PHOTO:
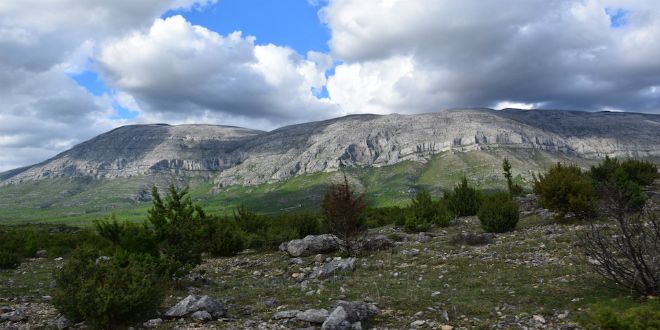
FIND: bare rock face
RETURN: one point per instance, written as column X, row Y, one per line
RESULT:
column 240, row 156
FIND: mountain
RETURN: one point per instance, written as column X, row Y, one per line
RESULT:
column 128, row 160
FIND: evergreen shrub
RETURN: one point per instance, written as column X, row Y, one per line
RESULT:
column 498, row 214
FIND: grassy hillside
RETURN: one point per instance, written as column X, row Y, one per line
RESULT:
column 80, row 200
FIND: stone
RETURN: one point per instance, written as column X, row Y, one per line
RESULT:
column 445, row 315
column 358, row 310
column 421, row 238
column 313, row 315
column 446, row 327
column 201, row 316
column 153, row 323
column 63, row 323
column 539, row 319
column 379, row 242
column 332, row 267
column 42, row 253
column 337, row 320
column 288, row 314
column 194, row 303
column 356, row 326
column 418, row 324
column 15, row 316
column 311, row 245
column 270, row 302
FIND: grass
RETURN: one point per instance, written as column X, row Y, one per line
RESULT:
column 77, row 201
column 535, row 268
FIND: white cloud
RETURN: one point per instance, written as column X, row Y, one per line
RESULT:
column 177, row 71
column 412, row 56
column 43, row 111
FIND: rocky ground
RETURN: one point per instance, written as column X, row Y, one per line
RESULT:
column 532, row 278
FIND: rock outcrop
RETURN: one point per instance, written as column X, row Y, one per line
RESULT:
column 240, row 156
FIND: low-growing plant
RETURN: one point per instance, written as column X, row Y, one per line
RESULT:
column 9, row 260
column 606, row 318
column 105, row 294
column 498, row 214
column 464, row 200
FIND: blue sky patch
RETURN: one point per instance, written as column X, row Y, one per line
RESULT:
column 618, row 17
column 90, row 80
column 292, row 23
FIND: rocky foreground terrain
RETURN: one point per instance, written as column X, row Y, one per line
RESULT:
column 532, row 278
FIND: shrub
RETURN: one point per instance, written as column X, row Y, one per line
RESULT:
column 105, row 294
column 641, row 172
column 416, row 224
column 225, row 238
column 606, row 318
column 343, row 209
column 427, row 211
column 565, row 189
column 254, row 227
column 131, row 237
column 498, row 214
column 381, row 216
column 514, row 188
column 626, row 252
column 180, row 228
column 9, row 260
column 464, row 200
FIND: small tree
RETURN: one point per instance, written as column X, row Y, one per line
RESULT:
column 343, row 208
column 180, row 229
column 626, row 253
column 565, row 189
column 464, row 200
column 423, row 212
column 514, row 189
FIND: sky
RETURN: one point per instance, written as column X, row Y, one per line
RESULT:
column 73, row 69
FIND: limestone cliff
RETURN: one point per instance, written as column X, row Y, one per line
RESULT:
column 250, row 157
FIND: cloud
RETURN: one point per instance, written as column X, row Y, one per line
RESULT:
column 43, row 111
column 415, row 56
column 176, row 71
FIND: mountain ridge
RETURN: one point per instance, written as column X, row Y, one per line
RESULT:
column 242, row 156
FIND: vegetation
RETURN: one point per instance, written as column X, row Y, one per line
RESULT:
column 498, row 213
column 343, row 209
column 566, row 190
column 104, row 293
column 465, row 200
column 423, row 212
column 514, row 188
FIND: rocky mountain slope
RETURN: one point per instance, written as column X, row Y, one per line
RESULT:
column 242, row 156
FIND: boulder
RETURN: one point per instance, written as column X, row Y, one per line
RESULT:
column 358, row 310
column 194, row 303
column 332, row 267
column 380, row 242
column 310, row 245
column 153, row 323
column 15, row 316
column 201, row 316
column 337, row 320
column 288, row 314
column 313, row 315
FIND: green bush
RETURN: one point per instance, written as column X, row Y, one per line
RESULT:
column 181, row 228
column 565, row 189
column 641, row 172
column 9, row 260
column 464, row 200
column 427, row 211
column 105, row 294
column 416, row 224
column 381, row 216
column 225, row 238
column 498, row 214
column 606, row 318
